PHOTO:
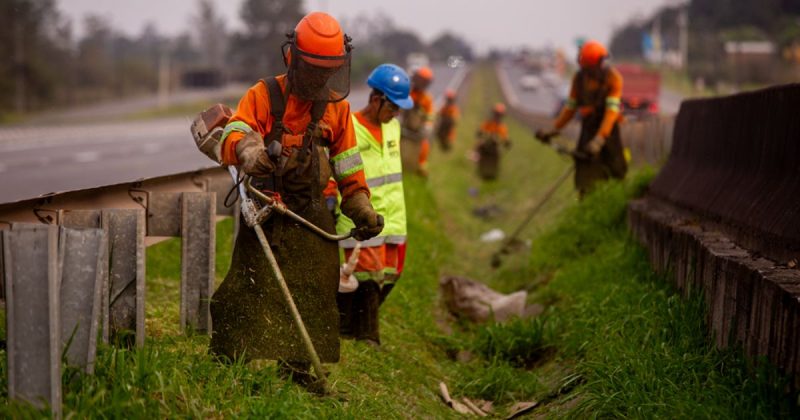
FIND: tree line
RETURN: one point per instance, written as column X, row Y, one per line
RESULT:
column 714, row 23
column 48, row 66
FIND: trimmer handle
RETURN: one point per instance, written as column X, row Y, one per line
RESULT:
column 355, row 232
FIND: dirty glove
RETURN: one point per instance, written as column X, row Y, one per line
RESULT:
column 368, row 223
column 595, row 145
column 252, row 155
column 545, row 136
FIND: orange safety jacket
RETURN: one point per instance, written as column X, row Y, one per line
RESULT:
column 416, row 119
column 449, row 111
column 492, row 128
column 424, row 100
column 588, row 96
column 253, row 113
column 448, row 116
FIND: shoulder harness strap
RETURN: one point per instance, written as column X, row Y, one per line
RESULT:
column 277, row 107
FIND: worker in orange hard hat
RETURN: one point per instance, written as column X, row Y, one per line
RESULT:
column 595, row 94
column 291, row 133
column 492, row 134
column 447, row 119
column 417, row 124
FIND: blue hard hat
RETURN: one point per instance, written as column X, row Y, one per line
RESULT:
column 393, row 82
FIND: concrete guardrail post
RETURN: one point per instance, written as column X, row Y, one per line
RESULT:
column 191, row 216
column 30, row 265
column 83, row 261
column 126, row 231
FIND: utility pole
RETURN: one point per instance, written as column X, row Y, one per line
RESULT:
column 683, row 27
column 20, row 68
column 163, row 78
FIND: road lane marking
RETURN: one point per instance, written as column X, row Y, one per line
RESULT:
column 87, row 156
column 152, row 148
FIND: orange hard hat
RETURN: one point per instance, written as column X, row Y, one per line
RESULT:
column 424, row 72
column 499, row 108
column 319, row 34
column 592, row 54
column 450, row 94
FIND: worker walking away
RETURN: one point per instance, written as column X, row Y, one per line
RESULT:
column 279, row 135
column 595, row 94
column 492, row 135
column 417, row 124
column 446, row 121
column 379, row 260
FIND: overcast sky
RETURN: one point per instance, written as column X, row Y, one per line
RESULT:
column 485, row 23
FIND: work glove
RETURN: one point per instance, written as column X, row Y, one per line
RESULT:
column 252, row 155
column 545, row 136
column 368, row 223
column 507, row 144
column 595, row 145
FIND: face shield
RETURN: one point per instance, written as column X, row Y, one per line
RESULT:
column 318, row 77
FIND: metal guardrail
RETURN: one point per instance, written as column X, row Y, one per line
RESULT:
column 72, row 268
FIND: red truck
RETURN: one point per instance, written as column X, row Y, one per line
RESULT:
column 641, row 89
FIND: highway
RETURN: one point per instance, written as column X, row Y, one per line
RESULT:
column 37, row 159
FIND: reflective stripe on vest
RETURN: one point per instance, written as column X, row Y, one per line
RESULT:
column 386, row 179
column 376, row 241
column 383, row 169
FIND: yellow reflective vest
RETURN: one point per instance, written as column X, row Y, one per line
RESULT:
column 384, row 172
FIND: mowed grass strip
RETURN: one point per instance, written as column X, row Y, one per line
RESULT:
column 615, row 338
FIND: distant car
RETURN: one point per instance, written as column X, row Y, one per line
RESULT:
column 551, row 78
column 530, row 82
column 641, row 89
column 455, row 61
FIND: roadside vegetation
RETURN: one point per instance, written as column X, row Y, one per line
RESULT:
column 614, row 339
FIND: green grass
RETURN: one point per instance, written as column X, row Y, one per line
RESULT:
column 626, row 344
column 614, row 339
column 641, row 349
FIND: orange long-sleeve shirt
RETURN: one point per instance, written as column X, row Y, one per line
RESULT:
column 423, row 100
column 253, row 113
column 450, row 111
column 497, row 128
column 583, row 98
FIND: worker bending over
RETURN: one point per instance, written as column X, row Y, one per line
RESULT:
column 446, row 121
column 492, row 134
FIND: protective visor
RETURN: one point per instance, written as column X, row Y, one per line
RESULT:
column 317, row 77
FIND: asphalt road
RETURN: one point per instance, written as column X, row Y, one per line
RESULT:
column 40, row 159
column 547, row 99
